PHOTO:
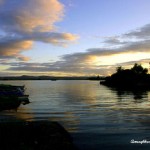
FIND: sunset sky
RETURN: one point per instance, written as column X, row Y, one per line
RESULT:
column 73, row 37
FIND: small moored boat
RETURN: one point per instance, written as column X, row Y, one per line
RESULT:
column 12, row 96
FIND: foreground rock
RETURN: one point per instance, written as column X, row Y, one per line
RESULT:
column 41, row 135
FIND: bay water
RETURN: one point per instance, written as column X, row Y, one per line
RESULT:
column 97, row 117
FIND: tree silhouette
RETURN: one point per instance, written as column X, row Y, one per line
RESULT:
column 137, row 68
column 129, row 78
column 119, row 69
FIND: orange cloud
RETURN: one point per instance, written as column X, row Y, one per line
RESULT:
column 27, row 21
column 39, row 15
column 23, row 58
column 70, row 37
column 13, row 49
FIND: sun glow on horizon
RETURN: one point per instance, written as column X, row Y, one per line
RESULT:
column 120, row 58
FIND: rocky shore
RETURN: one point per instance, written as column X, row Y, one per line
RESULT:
column 36, row 135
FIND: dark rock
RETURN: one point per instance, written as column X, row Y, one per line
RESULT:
column 38, row 135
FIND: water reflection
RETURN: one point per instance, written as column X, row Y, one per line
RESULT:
column 68, row 119
column 141, row 95
column 23, row 113
column 77, row 92
column 131, row 112
column 85, row 106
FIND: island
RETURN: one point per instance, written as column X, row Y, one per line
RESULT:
column 135, row 78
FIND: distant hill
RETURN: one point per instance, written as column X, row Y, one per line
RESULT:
column 53, row 78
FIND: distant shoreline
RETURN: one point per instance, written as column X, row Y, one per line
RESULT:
column 49, row 78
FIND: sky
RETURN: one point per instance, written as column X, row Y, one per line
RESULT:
column 73, row 37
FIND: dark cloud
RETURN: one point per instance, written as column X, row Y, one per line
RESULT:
column 140, row 33
column 59, row 68
column 130, row 47
column 114, row 41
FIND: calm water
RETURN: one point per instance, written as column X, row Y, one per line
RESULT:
column 96, row 116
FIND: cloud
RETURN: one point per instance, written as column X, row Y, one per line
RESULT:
column 140, row 33
column 130, row 63
column 130, row 47
column 113, row 41
column 24, row 22
column 57, row 67
column 30, row 15
column 84, row 62
column 50, row 37
column 11, row 48
column 91, row 61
